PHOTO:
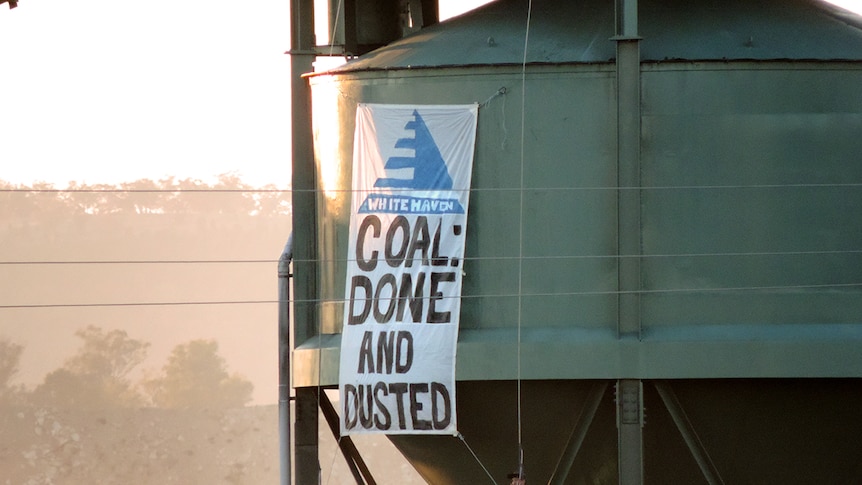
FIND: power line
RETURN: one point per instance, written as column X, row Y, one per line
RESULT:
column 156, row 261
column 137, row 304
column 836, row 252
column 140, row 191
column 475, row 189
column 824, row 286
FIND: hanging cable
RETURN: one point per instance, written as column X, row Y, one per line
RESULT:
column 332, row 462
column 520, row 468
column 334, row 28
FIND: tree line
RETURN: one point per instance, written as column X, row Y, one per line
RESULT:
column 228, row 195
column 158, row 217
column 99, row 375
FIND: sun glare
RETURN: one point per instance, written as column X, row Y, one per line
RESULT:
column 852, row 5
column 327, row 137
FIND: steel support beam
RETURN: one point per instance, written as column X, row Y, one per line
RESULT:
column 579, row 432
column 358, row 468
column 629, row 391
column 303, row 184
column 424, row 13
column 630, row 431
column 692, row 440
column 306, row 446
column 628, row 167
column 303, row 174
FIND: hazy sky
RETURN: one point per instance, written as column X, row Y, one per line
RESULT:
column 110, row 91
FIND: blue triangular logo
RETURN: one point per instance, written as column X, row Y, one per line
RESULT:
column 429, row 168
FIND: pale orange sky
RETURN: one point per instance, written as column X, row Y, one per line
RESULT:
column 105, row 91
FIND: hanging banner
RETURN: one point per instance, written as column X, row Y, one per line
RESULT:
column 411, row 181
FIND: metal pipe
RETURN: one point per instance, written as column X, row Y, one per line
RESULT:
column 284, row 360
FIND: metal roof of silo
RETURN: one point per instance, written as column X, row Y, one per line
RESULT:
column 580, row 31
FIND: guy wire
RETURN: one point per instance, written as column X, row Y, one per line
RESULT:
column 476, row 457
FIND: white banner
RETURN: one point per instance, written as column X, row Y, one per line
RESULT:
column 411, row 181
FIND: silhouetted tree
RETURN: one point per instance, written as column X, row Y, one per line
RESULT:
column 97, row 375
column 10, row 356
column 195, row 376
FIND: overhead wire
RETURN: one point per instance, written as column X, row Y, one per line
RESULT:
column 471, row 190
column 613, row 188
column 813, row 286
column 847, row 285
column 325, row 261
column 142, row 191
column 137, row 304
column 140, row 261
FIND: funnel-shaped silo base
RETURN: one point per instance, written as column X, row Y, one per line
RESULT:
column 753, row 431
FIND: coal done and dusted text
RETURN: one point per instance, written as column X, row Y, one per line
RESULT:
column 411, row 179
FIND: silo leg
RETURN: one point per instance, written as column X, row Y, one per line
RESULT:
column 630, row 431
column 579, row 432
column 692, row 440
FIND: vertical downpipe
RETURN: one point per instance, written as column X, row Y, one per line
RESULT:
column 629, row 391
column 284, row 360
column 304, row 199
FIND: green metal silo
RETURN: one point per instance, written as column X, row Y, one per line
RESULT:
column 663, row 280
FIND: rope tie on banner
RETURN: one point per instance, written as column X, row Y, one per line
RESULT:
column 500, row 92
column 484, row 104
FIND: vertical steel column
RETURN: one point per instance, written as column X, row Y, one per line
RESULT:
column 628, row 167
column 306, row 467
column 424, row 13
column 630, row 431
column 629, row 391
